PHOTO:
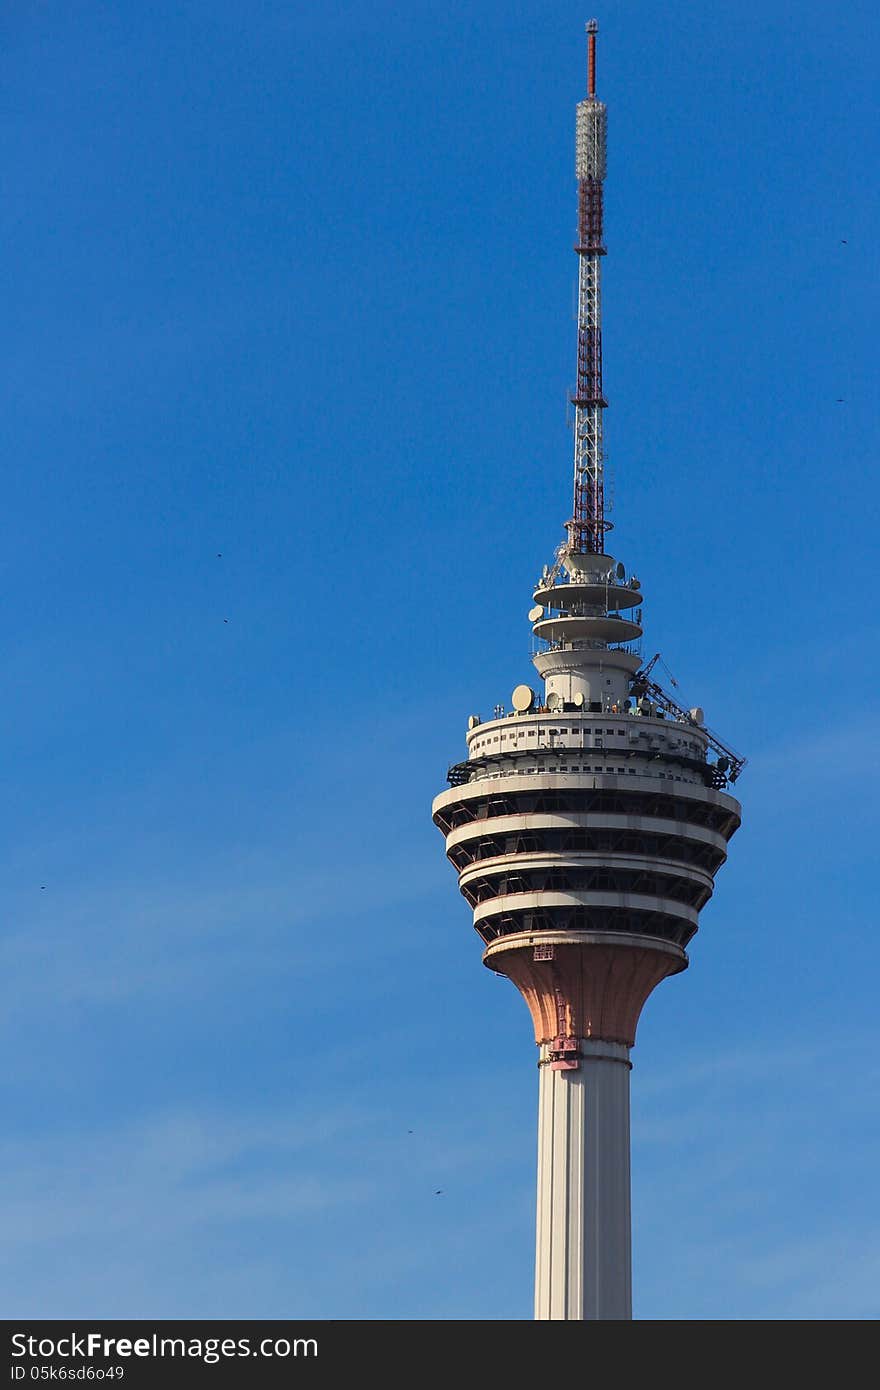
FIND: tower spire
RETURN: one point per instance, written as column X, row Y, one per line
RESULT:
column 587, row 527
column 592, row 31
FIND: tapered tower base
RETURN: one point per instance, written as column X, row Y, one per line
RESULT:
column 583, row 1263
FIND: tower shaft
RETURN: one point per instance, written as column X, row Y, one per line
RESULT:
column 583, row 1260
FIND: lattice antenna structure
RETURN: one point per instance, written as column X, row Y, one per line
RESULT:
column 587, row 527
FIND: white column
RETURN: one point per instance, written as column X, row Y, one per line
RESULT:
column 583, row 1266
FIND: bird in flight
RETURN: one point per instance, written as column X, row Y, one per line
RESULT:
column 843, row 241
column 439, row 1192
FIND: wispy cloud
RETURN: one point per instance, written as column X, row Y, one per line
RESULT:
column 133, row 938
column 314, row 1211
column 179, row 1171
column 821, row 1277
column 766, row 1155
column 106, row 1219
column 841, row 750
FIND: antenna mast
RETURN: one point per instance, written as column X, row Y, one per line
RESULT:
column 587, row 527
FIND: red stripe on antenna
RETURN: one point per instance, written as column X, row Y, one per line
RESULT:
column 592, row 30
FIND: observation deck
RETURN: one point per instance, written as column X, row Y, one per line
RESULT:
column 594, row 821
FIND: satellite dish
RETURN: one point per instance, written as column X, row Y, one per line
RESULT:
column 473, row 721
column 627, row 704
column 621, row 570
column 535, row 613
column 578, row 699
column 697, row 714
column 723, row 764
column 523, row 698
column 645, row 706
column 554, row 700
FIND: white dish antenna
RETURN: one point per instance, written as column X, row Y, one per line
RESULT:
column 578, row 699
column 697, row 714
column 535, row 613
column 523, row 698
column 473, row 721
column 554, row 700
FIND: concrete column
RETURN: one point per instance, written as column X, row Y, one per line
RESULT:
column 583, row 1266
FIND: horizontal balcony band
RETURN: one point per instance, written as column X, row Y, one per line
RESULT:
column 585, row 883
column 645, row 762
column 574, row 823
column 634, row 941
column 517, row 783
column 584, row 864
column 606, row 795
column 481, row 843
column 576, row 863
column 510, row 904
column 476, row 859
column 569, row 925
column 561, row 594
column 572, row 627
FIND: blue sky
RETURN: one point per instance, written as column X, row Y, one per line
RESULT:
column 288, row 334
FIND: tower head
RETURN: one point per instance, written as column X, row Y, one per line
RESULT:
column 587, row 825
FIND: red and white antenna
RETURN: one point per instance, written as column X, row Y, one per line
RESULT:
column 587, row 527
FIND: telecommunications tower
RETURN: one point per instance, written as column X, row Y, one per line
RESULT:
column 586, row 826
